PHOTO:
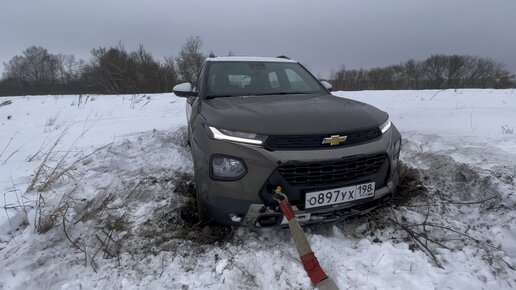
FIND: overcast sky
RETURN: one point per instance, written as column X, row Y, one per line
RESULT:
column 323, row 34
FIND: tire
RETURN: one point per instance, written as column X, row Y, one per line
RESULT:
column 201, row 211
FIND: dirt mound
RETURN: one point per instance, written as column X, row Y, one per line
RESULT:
column 411, row 184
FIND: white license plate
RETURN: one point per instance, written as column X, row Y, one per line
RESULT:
column 339, row 195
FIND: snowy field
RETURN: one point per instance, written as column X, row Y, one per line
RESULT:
column 96, row 192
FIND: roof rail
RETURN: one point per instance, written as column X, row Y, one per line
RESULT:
column 282, row 56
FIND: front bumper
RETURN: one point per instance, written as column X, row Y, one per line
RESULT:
column 248, row 201
column 262, row 216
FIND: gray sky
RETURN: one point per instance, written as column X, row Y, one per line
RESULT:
column 324, row 34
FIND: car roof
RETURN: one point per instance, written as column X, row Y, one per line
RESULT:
column 250, row 58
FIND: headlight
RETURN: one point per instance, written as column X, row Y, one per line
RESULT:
column 227, row 168
column 250, row 138
column 385, row 126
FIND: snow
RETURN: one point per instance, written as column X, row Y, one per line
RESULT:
column 134, row 165
column 250, row 58
column 91, row 121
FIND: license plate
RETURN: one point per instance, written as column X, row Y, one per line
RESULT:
column 339, row 195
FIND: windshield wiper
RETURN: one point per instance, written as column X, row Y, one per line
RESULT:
column 282, row 93
column 265, row 94
column 221, row 96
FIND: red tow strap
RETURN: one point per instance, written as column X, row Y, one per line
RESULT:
column 312, row 268
column 287, row 210
column 310, row 263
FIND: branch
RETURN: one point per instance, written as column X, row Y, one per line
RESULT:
column 471, row 202
column 419, row 243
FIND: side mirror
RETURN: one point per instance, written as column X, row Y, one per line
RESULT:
column 184, row 90
column 327, row 85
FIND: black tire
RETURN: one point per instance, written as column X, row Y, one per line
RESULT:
column 201, row 211
column 188, row 140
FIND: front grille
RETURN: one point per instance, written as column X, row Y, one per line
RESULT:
column 315, row 141
column 349, row 168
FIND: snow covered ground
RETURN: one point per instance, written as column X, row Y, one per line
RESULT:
column 110, row 191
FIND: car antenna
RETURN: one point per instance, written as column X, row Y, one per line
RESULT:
column 283, row 56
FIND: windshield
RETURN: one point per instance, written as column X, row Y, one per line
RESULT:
column 239, row 78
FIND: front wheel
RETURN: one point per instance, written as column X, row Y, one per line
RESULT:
column 201, row 211
column 202, row 215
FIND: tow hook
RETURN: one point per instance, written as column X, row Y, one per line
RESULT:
column 269, row 219
column 313, row 269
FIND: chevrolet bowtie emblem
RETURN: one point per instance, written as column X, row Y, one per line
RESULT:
column 334, row 140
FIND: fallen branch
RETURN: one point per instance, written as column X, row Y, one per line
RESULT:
column 471, row 202
column 508, row 265
column 66, row 233
column 424, row 248
column 457, row 232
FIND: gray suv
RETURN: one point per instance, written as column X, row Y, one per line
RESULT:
column 255, row 123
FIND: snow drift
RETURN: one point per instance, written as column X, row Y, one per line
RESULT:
column 110, row 201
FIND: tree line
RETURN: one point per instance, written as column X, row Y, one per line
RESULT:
column 436, row 72
column 112, row 70
column 115, row 70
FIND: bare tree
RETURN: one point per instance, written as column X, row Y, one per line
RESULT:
column 456, row 70
column 413, row 74
column 436, row 72
column 190, row 59
column 116, row 71
column 69, row 69
column 435, row 69
column 16, row 68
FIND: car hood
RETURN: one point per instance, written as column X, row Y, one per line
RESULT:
column 290, row 114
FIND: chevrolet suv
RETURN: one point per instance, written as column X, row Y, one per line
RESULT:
column 255, row 123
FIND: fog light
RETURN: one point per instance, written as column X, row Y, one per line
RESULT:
column 227, row 168
column 235, row 218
